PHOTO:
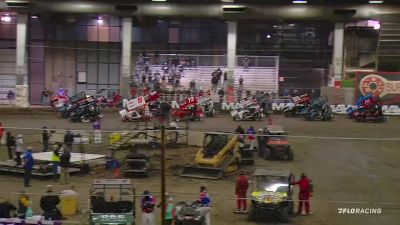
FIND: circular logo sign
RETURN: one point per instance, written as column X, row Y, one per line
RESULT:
column 372, row 84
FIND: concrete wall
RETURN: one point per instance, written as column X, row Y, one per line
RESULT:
column 7, row 73
column 60, row 68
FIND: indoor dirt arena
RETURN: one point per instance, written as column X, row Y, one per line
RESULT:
column 351, row 165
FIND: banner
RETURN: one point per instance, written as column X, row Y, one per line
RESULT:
column 33, row 221
column 277, row 105
column 383, row 84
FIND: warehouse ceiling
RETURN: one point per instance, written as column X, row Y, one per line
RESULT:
column 259, row 2
column 331, row 10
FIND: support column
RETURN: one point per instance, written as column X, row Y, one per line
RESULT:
column 338, row 46
column 126, row 57
column 21, row 63
column 231, row 58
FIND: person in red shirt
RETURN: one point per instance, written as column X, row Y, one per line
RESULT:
column 117, row 100
column 148, row 202
column 133, row 93
column 304, row 194
column 242, row 184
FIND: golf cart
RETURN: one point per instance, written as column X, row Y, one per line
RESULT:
column 276, row 145
column 137, row 165
column 188, row 214
column 112, row 201
column 271, row 196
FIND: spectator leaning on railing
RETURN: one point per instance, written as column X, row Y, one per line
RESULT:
column 10, row 97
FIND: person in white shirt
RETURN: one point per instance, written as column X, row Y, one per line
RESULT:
column 19, row 148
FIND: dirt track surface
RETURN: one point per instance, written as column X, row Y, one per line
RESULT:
column 346, row 173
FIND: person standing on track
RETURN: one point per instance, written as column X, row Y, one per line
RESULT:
column 23, row 204
column 65, row 162
column 45, row 139
column 242, row 184
column 304, row 194
column 169, row 209
column 239, row 130
column 206, row 204
column 10, row 145
column 69, row 140
column 29, row 162
column 147, row 204
column 97, row 132
column 55, row 160
column 252, row 137
column 19, row 149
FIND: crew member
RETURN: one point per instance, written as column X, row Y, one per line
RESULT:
column 206, row 204
column 97, row 132
column 48, row 203
column 45, row 139
column 252, row 137
column 19, row 149
column 221, row 94
column 69, row 140
column 169, row 209
column 10, row 142
column 65, row 161
column 29, row 162
column 55, row 160
column 7, row 210
column 239, row 130
column 304, row 194
column 262, row 141
column 147, row 204
column 242, row 184
column 23, row 204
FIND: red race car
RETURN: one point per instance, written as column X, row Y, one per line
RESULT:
column 188, row 110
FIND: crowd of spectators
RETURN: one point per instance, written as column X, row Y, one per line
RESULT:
column 170, row 73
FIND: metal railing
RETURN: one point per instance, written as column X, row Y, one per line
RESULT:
column 215, row 60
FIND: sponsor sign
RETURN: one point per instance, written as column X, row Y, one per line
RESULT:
column 33, row 221
column 385, row 85
column 278, row 105
column 135, row 103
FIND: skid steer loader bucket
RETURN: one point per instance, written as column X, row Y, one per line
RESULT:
column 203, row 172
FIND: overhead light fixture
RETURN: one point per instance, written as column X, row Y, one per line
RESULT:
column 18, row 3
column 6, row 18
column 233, row 8
column 100, row 21
column 228, row 1
column 34, row 17
column 374, row 23
column 158, row 0
column 275, row 26
column 299, row 2
column 375, row 2
column 291, row 24
column 268, row 36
